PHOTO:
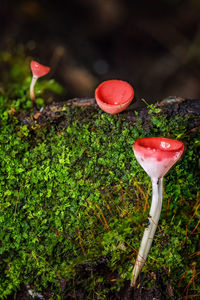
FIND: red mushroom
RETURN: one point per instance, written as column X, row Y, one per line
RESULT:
column 38, row 71
column 156, row 155
column 113, row 96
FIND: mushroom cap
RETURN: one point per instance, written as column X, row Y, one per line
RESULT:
column 113, row 96
column 157, row 154
column 39, row 70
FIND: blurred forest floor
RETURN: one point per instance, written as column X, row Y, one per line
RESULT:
column 154, row 45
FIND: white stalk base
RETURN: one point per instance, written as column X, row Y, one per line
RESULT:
column 150, row 230
column 33, row 82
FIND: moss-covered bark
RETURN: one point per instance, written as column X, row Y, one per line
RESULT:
column 74, row 203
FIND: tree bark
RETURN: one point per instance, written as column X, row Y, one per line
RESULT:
column 170, row 107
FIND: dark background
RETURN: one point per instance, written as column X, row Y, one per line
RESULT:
column 154, row 45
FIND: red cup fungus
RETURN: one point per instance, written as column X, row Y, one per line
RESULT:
column 156, row 155
column 114, row 96
column 38, row 71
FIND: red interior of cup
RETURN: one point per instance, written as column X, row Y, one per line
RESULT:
column 114, row 92
column 158, row 147
column 162, row 144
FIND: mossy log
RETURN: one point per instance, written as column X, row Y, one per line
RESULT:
column 55, row 114
column 170, row 107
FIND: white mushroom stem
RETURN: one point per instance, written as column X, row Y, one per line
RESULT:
column 33, row 82
column 150, row 230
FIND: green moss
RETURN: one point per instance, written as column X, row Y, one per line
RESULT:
column 74, row 193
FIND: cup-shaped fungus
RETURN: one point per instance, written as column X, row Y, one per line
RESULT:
column 38, row 71
column 113, row 96
column 156, row 155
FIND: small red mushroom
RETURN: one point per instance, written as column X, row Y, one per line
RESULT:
column 38, row 71
column 156, row 155
column 113, row 96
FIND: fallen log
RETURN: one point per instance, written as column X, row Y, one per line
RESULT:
column 170, row 107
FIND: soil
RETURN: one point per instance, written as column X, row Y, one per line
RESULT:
column 161, row 290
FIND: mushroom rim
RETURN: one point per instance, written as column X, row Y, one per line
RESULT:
column 154, row 144
column 101, row 97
